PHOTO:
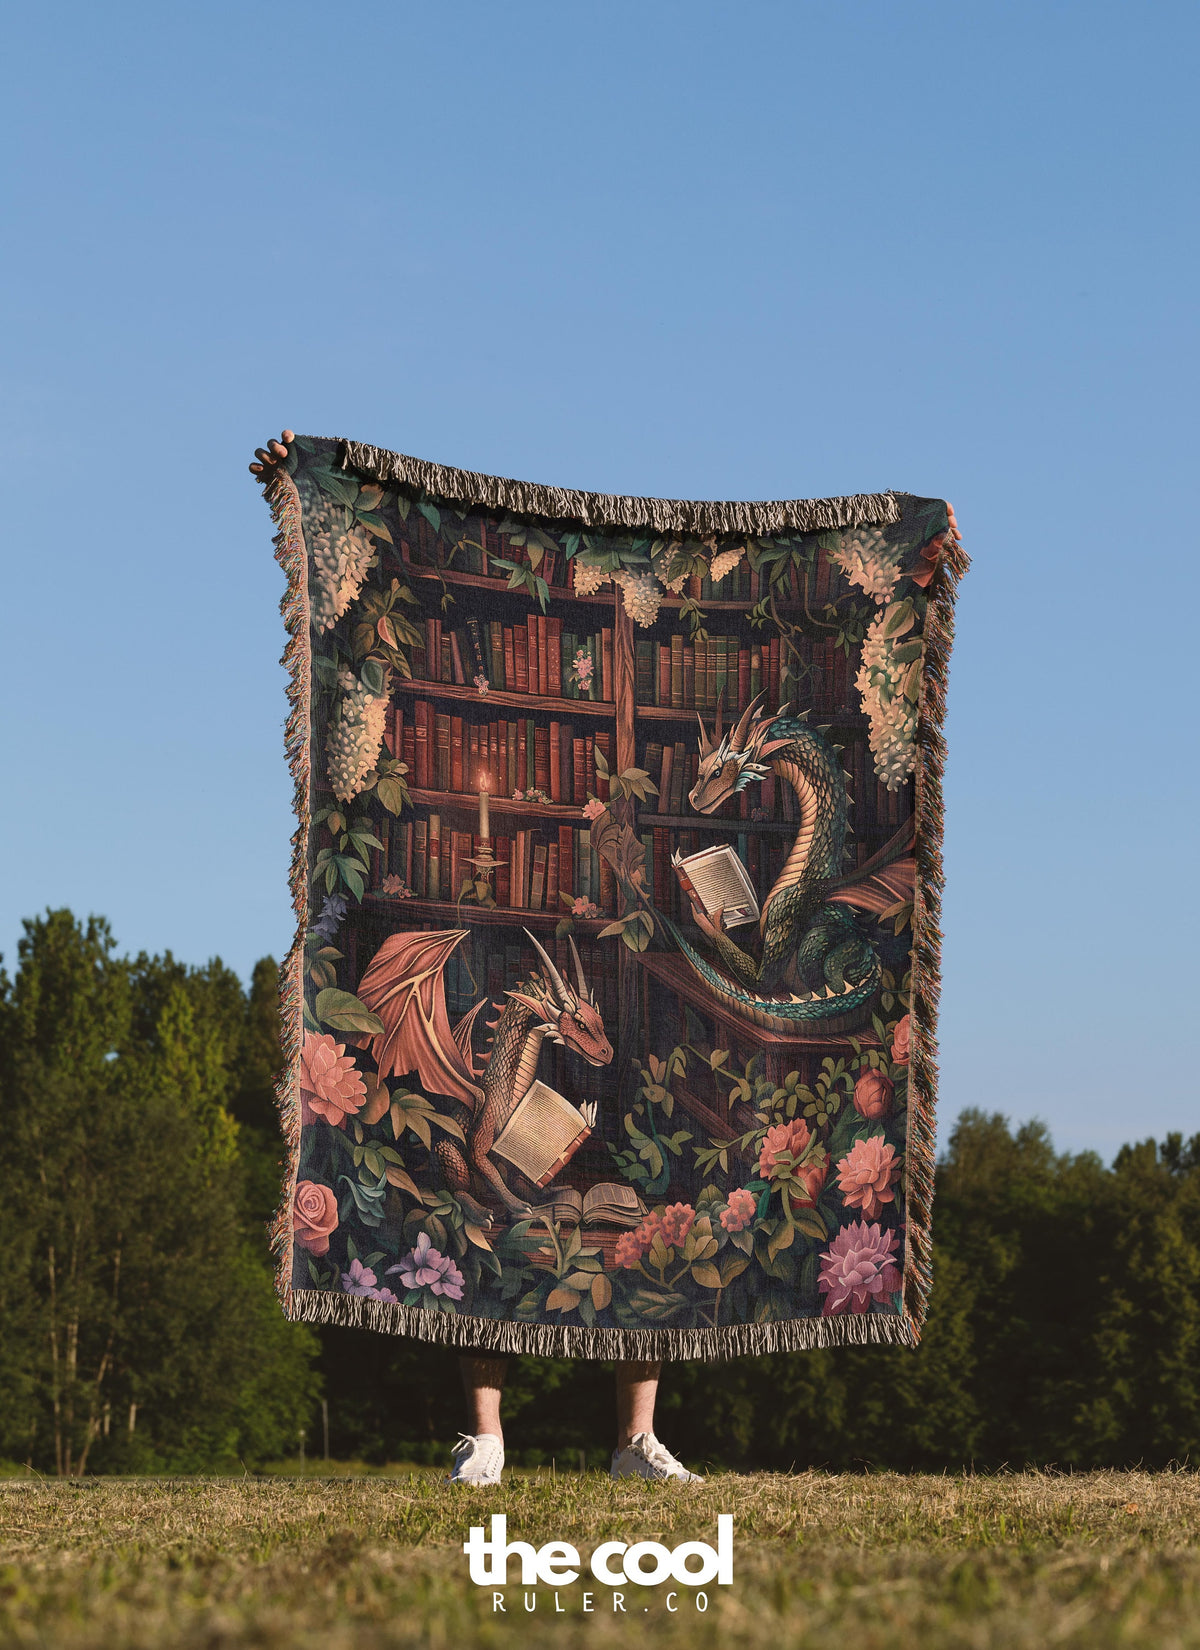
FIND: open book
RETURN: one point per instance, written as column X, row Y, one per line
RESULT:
column 610, row 1204
column 719, row 880
column 544, row 1133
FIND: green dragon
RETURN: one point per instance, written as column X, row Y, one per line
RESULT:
column 817, row 965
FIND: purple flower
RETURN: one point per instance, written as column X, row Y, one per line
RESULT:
column 359, row 1280
column 383, row 1295
column 858, row 1268
column 425, row 1267
column 332, row 912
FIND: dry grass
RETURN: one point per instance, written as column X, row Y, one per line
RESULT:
column 1104, row 1559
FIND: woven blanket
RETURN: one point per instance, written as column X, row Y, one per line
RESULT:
column 610, row 1015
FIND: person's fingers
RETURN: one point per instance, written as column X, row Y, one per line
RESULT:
column 278, row 448
column 953, row 520
column 256, row 469
column 263, row 456
column 289, row 436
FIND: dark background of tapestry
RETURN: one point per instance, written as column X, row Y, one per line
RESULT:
column 1065, row 1313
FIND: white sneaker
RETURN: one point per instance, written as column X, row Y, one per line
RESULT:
column 645, row 1457
column 477, row 1460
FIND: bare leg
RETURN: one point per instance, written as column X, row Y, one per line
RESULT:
column 483, row 1382
column 637, row 1388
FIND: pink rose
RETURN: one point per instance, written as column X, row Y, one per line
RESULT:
column 902, row 1041
column 314, row 1216
column 873, row 1095
column 677, row 1222
column 793, row 1138
column 740, row 1210
column 867, row 1175
column 330, row 1086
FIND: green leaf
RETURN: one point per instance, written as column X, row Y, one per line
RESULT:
column 373, row 676
column 343, row 1010
column 374, row 524
column 432, row 514
column 393, row 793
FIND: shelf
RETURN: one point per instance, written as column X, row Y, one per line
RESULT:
column 499, row 587
column 675, row 713
column 466, row 914
column 468, row 801
column 512, row 701
column 718, row 822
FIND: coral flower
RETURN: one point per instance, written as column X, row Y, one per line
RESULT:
column 677, row 1222
column 740, row 1210
column 902, row 1041
column 629, row 1249
column 314, row 1216
column 794, row 1138
column 867, row 1175
column 873, row 1095
column 857, row 1268
column 329, row 1084
column 593, row 808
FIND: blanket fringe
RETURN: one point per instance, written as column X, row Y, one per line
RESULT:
column 927, row 935
column 696, row 517
column 545, row 1340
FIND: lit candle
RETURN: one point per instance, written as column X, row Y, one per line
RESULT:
column 485, row 826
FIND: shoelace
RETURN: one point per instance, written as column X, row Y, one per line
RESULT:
column 657, row 1454
column 486, row 1448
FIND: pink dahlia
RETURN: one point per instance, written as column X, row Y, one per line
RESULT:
column 902, row 1041
column 867, row 1176
column 629, row 1249
column 329, row 1084
column 857, row 1268
column 739, row 1212
column 873, row 1095
column 677, row 1222
column 425, row 1267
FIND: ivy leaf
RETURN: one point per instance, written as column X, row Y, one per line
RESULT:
column 373, row 677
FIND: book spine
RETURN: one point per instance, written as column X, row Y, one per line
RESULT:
column 419, row 880
column 441, row 766
column 421, row 753
column 434, row 871
column 456, row 754
column 510, row 667
column 566, row 858
column 556, row 794
column 521, row 655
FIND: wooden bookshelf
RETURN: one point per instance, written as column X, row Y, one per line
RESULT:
column 509, row 701
column 468, row 802
column 469, row 914
column 499, row 587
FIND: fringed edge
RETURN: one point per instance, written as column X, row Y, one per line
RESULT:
column 545, row 1340
column 292, row 556
column 927, row 936
column 699, row 517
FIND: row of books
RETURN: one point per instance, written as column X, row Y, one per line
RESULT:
column 675, row 769
column 445, row 752
column 535, row 866
column 696, row 676
column 536, row 657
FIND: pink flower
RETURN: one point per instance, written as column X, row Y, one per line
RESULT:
column 740, row 1210
column 867, row 1175
column 314, row 1216
column 629, row 1249
column 858, row 1268
column 518, row 796
column 396, row 885
column 873, row 1095
column 425, row 1267
column 359, row 1280
column 792, row 1138
column 329, row 1084
column 593, row 808
column 677, row 1222
column 902, row 1041
column 584, row 908
column 481, row 684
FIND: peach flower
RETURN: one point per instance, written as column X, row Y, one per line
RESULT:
column 314, row 1216
column 330, row 1086
column 902, row 1041
column 873, row 1095
column 794, row 1137
column 677, row 1222
column 739, row 1212
column 867, row 1176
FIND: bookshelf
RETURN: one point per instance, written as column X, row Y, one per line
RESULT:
column 649, row 686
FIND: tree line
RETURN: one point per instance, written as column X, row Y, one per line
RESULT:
column 140, row 1163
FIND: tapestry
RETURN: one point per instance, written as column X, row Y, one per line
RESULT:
column 610, row 1016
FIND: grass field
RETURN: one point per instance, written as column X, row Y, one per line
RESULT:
column 320, row 1563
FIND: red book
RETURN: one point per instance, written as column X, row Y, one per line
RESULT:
column 566, row 858
column 541, row 759
column 421, row 763
column 590, row 767
column 495, row 772
column 531, row 648
column 433, row 650
column 472, row 767
column 543, row 653
column 456, row 660
column 743, row 678
column 664, row 676
column 604, row 739
column 522, row 754
column 510, row 660
column 554, row 656
column 419, row 880
column 537, row 881
column 566, row 742
column 552, row 877
column 521, row 655
column 580, row 762
column 664, row 778
column 556, row 762
column 456, row 753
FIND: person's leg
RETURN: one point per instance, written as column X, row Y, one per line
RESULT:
column 637, row 1388
column 483, row 1382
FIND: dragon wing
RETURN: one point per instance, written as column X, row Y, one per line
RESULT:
column 404, row 985
column 887, row 879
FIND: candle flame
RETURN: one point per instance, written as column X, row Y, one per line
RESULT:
column 483, row 784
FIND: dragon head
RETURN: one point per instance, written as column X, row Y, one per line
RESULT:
column 568, row 1016
column 729, row 761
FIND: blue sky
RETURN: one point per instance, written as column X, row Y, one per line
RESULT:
column 751, row 250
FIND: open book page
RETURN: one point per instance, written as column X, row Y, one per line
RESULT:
column 614, row 1203
column 721, row 882
column 543, row 1133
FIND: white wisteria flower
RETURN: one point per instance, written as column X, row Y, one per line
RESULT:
column 888, row 687
column 339, row 557
column 643, row 596
column 352, row 743
column 724, row 563
column 588, row 578
column 868, row 561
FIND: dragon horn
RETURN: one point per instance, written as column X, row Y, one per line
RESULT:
column 584, row 994
column 705, row 745
column 556, row 979
column 737, row 738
